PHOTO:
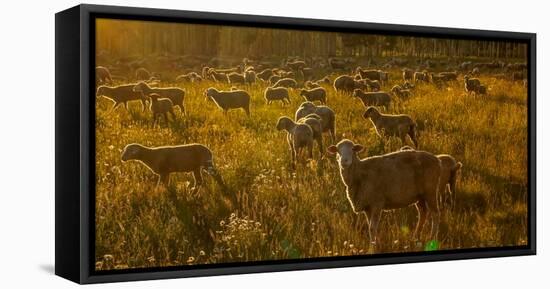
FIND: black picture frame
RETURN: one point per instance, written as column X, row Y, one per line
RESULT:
column 75, row 146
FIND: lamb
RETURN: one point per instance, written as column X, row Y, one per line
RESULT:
column 401, row 92
column 379, row 98
column 103, row 75
column 142, row 74
column 399, row 125
column 299, row 136
column 161, row 107
column 175, row 94
column 328, row 117
column 391, row 181
column 165, row 160
column 121, row 95
column 236, row 78
column 227, row 100
column 314, row 121
column 286, row 82
column 449, row 171
column 276, row 93
column 316, row 94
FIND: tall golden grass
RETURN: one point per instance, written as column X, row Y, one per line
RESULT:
column 270, row 212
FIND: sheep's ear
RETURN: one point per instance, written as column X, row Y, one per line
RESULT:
column 332, row 149
column 358, row 148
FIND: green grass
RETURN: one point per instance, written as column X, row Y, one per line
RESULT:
column 271, row 212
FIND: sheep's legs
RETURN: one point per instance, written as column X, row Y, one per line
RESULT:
column 197, row 180
column 422, row 214
column 310, row 150
column 434, row 212
column 164, row 180
column 374, row 218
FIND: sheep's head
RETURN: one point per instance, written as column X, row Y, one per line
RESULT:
column 131, row 152
column 346, row 152
column 284, row 123
column 370, row 112
column 209, row 92
column 100, row 90
column 395, row 89
column 357, row 92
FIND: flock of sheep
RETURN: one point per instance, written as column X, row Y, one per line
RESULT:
column 373, row 184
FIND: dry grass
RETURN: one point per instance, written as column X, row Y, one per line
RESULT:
column 271, row 212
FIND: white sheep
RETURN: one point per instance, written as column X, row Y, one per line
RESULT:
column 399, row 125
column 170, row 159
column 315, row 94
column 401, row 92
column 161, row 107
column 286, row 82
column 379, row 98
column 121, row 95
column 175, row 94
column 299, row 137
column 391, row 181
column 227, row 100
column 328, row 117
column 314, row 121
column 276, row 93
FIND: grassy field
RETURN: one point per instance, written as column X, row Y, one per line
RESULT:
column 272, row 212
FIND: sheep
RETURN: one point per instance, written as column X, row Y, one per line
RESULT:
column 273, row 79
column 236, row 78
column 175, row 94
column 319, row 94
column 299, row 136
column 471, row 84
column 296, row 65
column 161, row 106
column 250, row 76
column 423, row 76
column 142, row 74
column 347, row 83
column 401, row 92
column 407, row 85
column 373, row 74
column 103, row 75
column 449, row 171
column 311, row 85
column 314, row 121
column 374, row 85
column 265, row 74
column 391, row 181
column 328, row 117
column 286, row 82
column 276, row 93
column 379, row 98
column 121, row 95
column 408, row 74
column 165, row 160
column 399, row 125
column 218, row 76
column 448, row 76
column 189, row 77
column 227, row 100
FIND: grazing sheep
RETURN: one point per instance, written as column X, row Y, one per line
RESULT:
column 171, row 159
column 471, row 84
column 373, row 74
column 189, row 77
column 347, row 83
column 121, row 95
column 296, row 65
column 205, row 72
column 448, row 76
column 399, row 125
column 142, row 74
column 449, row 171
column 316, row 94
column 328, row 117
column 265, row 74
column 423, row 76
column 227, row 100
column 314, row 121
column 311, row 85
column 379, row 98
column 401, row 92
column 175, row 94
column 408, row 74
column 374, row 85
column 236, row 78
column 103, row 75
column 273, row 79
column 307, row 73
column 218, row 76
column 299, row 136
column 286, row 82
column 161, row 107
column 276, row 93
column 391, row 181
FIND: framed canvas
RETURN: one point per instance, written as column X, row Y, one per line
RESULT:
column 194, row 144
